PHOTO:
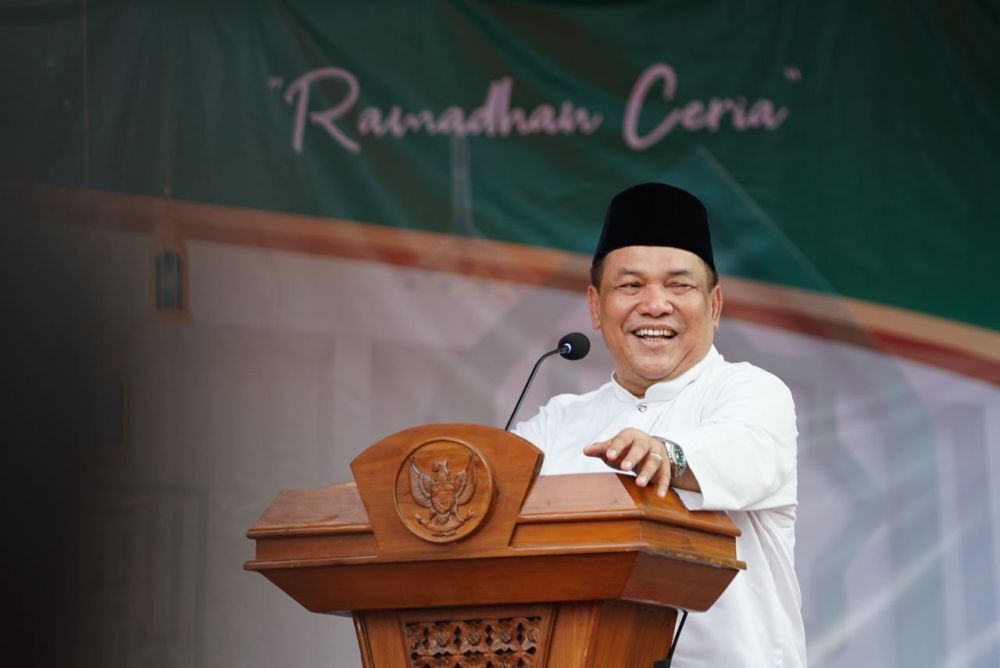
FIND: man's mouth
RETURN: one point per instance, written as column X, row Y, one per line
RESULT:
column 655, row 333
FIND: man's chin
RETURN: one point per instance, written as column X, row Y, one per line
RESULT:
column 658, row 373
column 656, row 366
column 642, row 379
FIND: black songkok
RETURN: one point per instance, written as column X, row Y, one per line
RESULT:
column 655, row 214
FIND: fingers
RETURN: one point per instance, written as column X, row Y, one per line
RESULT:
column 639, row 452
column 637, row 449
column 654, row 468
column 616, row 447
column 651, row 464
column 598, row 449
column 664, row 480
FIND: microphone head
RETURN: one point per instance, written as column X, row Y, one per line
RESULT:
column 574, row 346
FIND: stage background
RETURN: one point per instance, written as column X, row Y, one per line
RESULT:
column 379, row 215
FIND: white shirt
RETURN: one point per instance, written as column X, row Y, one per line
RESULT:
column 736, row 424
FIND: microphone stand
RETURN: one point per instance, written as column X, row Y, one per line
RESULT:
column 517, row 406
column 665, row 663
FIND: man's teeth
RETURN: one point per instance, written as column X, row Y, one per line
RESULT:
column 648, row 332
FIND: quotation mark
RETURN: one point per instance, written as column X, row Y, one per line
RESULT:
column 792, row 73
column 275, row 83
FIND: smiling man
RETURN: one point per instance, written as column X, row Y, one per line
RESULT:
column 680, row 416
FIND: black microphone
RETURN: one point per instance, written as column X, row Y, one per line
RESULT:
column 573, row 346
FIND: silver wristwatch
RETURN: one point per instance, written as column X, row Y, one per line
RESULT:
column 678, row 462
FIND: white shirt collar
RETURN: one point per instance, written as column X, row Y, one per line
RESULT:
column 668, row 389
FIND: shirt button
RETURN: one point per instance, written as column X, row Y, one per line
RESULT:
column 642, row 407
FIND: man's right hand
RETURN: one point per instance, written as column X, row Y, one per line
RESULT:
column 635, row 450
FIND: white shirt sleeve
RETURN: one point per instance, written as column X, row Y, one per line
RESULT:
column 532, row 429
column 743, row 452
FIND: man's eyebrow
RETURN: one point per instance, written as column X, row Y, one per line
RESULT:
column 636, row 272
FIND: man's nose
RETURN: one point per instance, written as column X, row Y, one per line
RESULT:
column 656, row 302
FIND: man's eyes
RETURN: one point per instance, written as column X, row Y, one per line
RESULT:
column 676, row 287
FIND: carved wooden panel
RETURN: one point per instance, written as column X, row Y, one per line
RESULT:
column 444, row 490
column 511, row 642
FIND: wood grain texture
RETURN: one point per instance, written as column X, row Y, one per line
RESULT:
column 572, row 633
column 630, row 635
column 333, row 509
column 604, row 561
column 589, row 634
column 671, row 510
column 380, row 636
column 685, row 542
column 456, row 581
column 603, row 634
column 692, row 584
column 365, row 640
column 596, row 534
column 304, row 549
column 513, row 461
column 329, row 546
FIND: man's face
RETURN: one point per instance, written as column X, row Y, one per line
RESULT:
column 656, row 312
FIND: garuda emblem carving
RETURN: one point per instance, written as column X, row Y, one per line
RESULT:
column 443, row 495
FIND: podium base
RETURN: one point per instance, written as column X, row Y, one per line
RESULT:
column 593, row 634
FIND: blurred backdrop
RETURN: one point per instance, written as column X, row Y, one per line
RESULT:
column 242, row 241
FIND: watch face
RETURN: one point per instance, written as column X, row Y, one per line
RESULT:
column 678, row 456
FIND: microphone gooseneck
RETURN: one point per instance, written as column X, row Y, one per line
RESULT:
column 573, row 346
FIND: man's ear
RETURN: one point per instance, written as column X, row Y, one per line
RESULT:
column 716, row 305
column 593, row 301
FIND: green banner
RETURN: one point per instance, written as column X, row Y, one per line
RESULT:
column 847, row 147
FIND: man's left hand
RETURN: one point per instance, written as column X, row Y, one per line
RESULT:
column 635, row 450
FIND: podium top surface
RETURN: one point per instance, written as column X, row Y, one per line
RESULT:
column 338, row 509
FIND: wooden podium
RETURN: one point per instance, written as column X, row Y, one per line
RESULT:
column 450, row 550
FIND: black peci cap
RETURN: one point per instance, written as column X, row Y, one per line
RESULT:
column 655, row 214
